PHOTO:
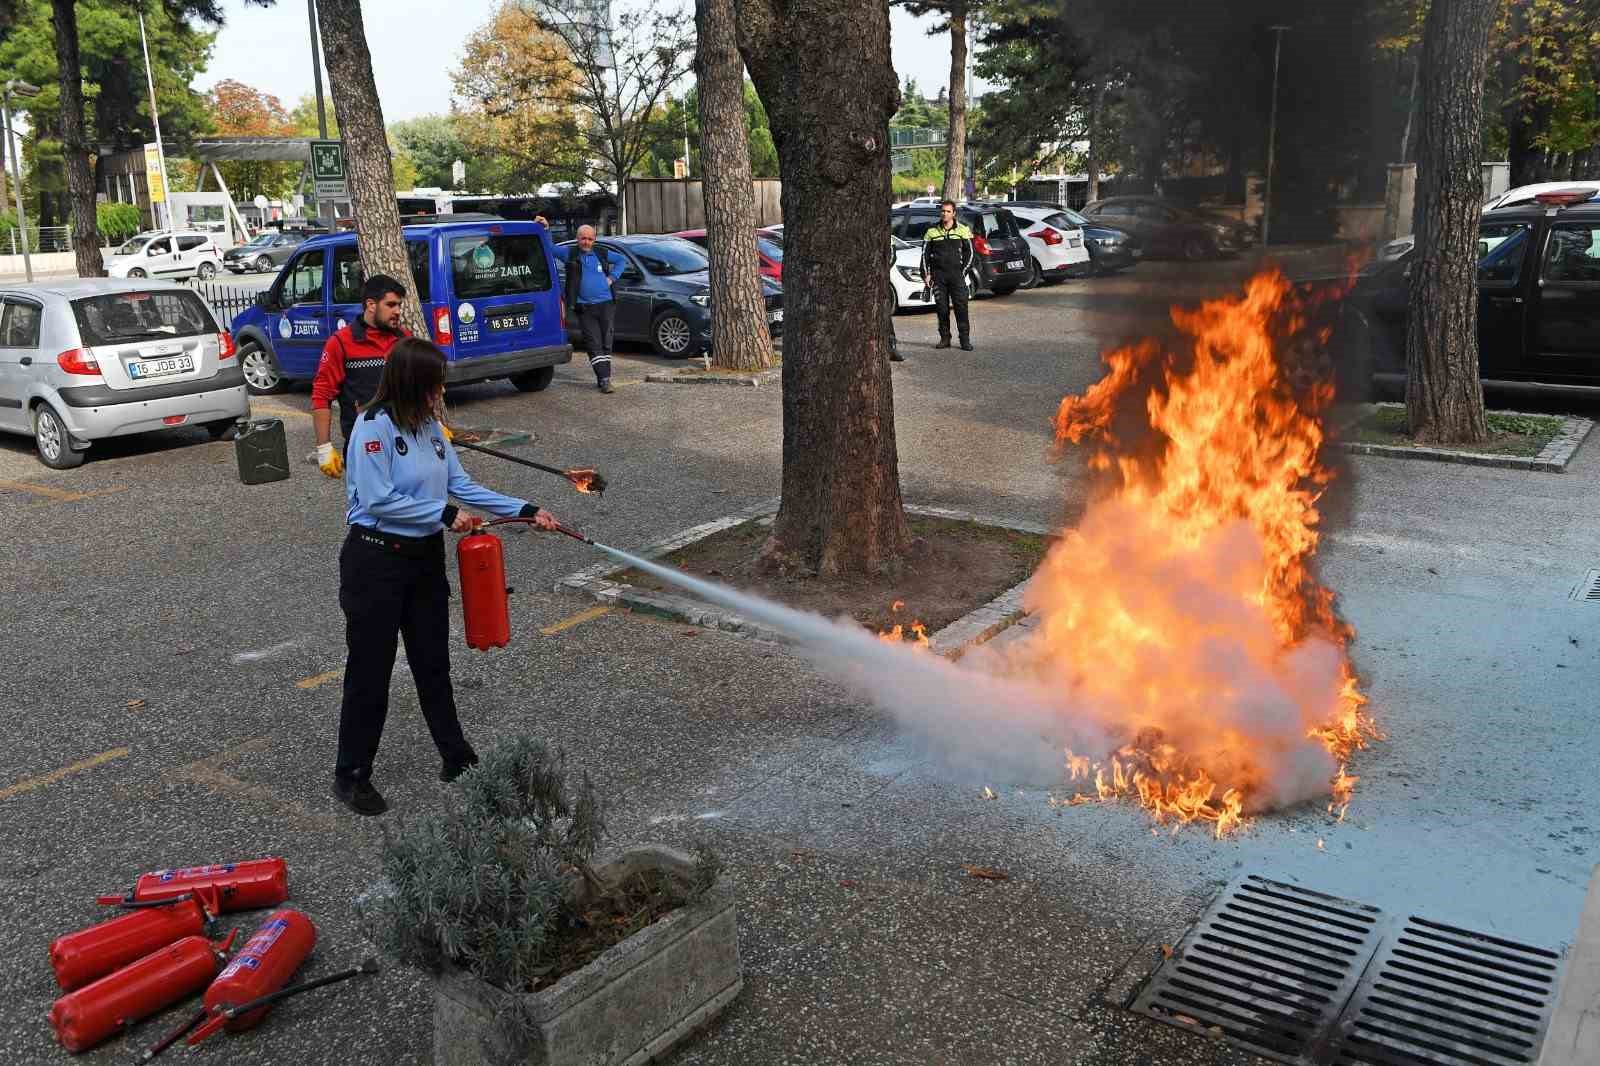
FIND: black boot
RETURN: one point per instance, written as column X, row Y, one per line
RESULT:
column 944, row 342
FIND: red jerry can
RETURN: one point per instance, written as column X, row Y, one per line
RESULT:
column 239, row 886
column 89, row 954
column 84, row 1018
column 484, row 606
column 269, row 958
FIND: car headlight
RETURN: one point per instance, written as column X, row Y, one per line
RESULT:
column 701, row 299
column 910, row 273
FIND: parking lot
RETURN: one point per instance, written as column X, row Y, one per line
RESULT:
column 173, row 678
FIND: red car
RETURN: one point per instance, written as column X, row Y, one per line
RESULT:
column 768, row 251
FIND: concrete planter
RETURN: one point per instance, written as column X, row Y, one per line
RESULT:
column 630, row 1005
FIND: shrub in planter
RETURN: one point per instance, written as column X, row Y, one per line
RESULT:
column 500, row 897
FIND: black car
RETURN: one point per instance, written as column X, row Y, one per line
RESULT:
column 1538, row 302
column 1110, row 250
column 664, row 294
column 267, row 251
column 1171, row 230
column 1003, row 262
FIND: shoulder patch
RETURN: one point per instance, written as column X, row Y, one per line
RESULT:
column 438, row 447
column 400, row 446
column 374, row 447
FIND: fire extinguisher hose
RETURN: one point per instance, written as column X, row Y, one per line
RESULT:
column 229, row 1013
column 173, row 1037
column 559, row 528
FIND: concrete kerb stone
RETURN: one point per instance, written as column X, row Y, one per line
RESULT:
column 1552, row 459
column 953, row 640
column 756, row 379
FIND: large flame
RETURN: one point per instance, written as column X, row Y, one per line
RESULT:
column 1183, row 611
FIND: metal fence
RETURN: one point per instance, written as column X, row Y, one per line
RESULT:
column 226, row 300
column 41, row 239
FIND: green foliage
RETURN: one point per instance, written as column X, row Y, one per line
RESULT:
column 918, row 113
column 116, row 222
column 434, row 144
column 679, row 116
column 490, row 883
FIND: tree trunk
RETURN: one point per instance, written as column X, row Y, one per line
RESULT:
column 368, row 168
column 955, row 147
column 74, row 145
column 1097, row 104
column 739, row 338
column 829, row 110
column 1444, row 397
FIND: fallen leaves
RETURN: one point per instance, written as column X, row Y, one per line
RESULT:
column 136, row 705
column 989, row 793
column 1166, row 951
column 986, row 873
column 847, row 883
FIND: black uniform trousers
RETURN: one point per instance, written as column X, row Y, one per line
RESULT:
column 948, row 295
column 598, row 322
column 393, row 586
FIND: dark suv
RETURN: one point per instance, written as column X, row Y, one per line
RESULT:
column 1538, row 301
column 1003, row 262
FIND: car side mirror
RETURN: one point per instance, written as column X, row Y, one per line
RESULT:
column 1483, row 249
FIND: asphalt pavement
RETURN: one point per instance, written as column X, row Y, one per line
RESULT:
column 172, row 684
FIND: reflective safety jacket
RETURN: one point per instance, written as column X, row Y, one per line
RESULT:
column 947, row 253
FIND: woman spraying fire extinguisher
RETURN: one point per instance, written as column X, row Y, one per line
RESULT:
column 400, row 473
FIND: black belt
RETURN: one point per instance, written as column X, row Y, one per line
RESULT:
column 410, row 547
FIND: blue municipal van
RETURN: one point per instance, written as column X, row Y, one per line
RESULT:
column 490, row 295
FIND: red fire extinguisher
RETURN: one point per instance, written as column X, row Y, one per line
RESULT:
column 239, row 886
column 83, row 1018
column 91, row 953
column 484, row 607
column 269, row 958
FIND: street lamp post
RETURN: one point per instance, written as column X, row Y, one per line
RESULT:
column 11, row 88
column 1272, row 134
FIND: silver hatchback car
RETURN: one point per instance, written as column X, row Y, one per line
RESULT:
column 81, row 360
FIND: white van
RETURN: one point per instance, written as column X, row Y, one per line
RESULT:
column 169, row 255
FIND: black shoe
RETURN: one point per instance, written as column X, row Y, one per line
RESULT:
column 605, row 387
column 359, row 796
column 896, row 357
column 966, row 346
column 452, row 770
column 944, row 342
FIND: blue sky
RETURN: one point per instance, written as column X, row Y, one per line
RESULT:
column 414, row 48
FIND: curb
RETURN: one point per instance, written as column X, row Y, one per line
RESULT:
column 966, row 632
column 1553, row 459
column 754, row 379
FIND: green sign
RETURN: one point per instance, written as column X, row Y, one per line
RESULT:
column 328, row 174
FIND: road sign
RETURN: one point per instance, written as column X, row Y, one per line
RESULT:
column 328, row 172
column 154, row 178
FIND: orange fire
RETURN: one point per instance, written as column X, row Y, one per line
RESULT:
column 916, row 633
column 1183, row 614
column 582, row 480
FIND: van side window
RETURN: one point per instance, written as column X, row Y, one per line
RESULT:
column 304, row 283
column 348, row 276
column 189, row 244
column 417, row 252
column 1573, row 254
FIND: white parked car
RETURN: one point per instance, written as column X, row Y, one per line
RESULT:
column 905, row 278
column 1058, row 247
column 1522, row 194
column 170, row 256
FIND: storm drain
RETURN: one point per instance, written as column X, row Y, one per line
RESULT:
column 1267, row 967
column 1437, row 994
column 1588, row 590
column 1302, row 977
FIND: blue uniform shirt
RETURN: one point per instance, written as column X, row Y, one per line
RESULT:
column 592, row 285
column 399, row 482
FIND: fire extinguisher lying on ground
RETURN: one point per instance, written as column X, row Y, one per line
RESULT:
column 238, row 886
column 103, row 1008
column 89, row 954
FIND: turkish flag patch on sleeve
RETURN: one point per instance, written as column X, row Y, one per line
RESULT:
column 374, row 447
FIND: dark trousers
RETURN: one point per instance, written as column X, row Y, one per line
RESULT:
column 386, row 593
column 888, row 324
column 597, row 321
column 948, row 294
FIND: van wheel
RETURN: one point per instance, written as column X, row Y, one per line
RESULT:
column 672, row 336
column 534, row 380
column 137, row 272
column 51, row 440
column 262, row 375
column 206, row 271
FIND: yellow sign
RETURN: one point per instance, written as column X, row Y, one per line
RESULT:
column 153, row 176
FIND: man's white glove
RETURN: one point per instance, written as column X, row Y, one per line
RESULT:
column 329, row 461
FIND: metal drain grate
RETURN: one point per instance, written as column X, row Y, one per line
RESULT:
column 1441, row 996
column 1587, row 590
column 1269, row 965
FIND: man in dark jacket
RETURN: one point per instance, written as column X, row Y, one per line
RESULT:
column 586, row 288
column 947, row 257
column 352, row 365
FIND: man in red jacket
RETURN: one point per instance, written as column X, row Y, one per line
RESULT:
column 352, row 364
